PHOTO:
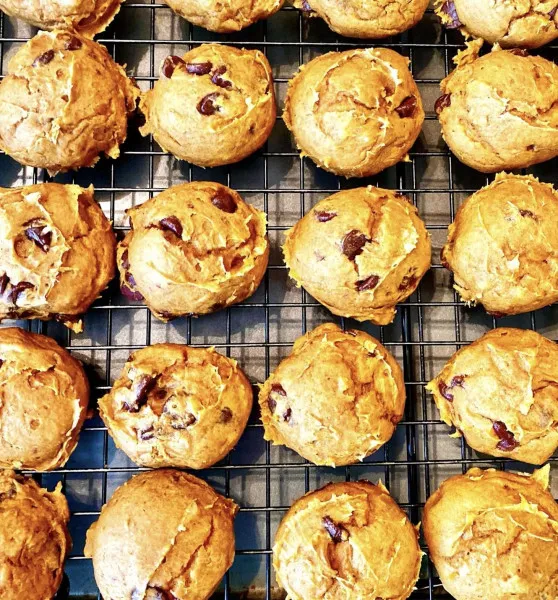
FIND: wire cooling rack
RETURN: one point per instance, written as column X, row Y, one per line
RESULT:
column 429, row 327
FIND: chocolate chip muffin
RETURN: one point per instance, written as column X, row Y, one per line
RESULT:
column 64, row 103
column 214, row 106
column 359, row 252
column 354, row 113
column 376, row 19
column 193, row 249
column 44, row 397
column 57, row 252
column 501, row 393
column 176, row 406
column 493, row 535
column 503, row 246
column 34, row 538
column 509, row 23
column 347, row 541
column 163, row 534
column 500, row 111
column 227, row 16
column 336, row 399
column 87, row 17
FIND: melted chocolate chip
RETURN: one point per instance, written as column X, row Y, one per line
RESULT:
column 553, row 12
column 17, row 290
column 443, row 102
column 37, row 234
column 4, row 280
column 323, row 216
column 456, row 381
column 44, row 58
column 218, row 80
column 449, row 9
column 272, row 405
column 129, row 290
column 224, row 201
column 409, row 281
column 206, row 105
column 353, row 243
column 202, row 68
column 73, row 43
column 507, row 441
column 306, row 6
column 169, row 65
column 336, row 531
column 367, row 284
column 172, row 224
column 287, row 415
column 407, row 108
column 277, row 388
column 147, row 434
column 145, row 384
column 519, row 52
column 527, row 213
column 226, row 415
column 178, row 423
column 125, row 263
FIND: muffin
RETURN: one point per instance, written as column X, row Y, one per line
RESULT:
column 214, row 106
column 63, row 103
column 163, row 534
column 57, row 252
column 193, row 249
column 359, row 253
column 45, row 395
column 347, row 541
column 224, row 17
column 501, row 394
column 376, row 19
column 175, row 406
column 34, row 538
column 503, row 246
column 509, row 23
column 87, row 17
column 354, row 113
column 500, row 111
column 493, row 535
column 336, row 399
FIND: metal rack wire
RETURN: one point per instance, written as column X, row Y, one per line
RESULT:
column 428, row 328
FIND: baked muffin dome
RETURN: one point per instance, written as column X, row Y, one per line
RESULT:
column 336, row 399
column 503, row 246
column 347, row 541
column 57, row 252
column 359, row 252
column 501, row 393
column 45, row 395
column 163, row 534
column 224, row 16
column 354, row 113
column 63, row 103
column 510, row 23
column 493, row 535
column 500, row 111
column 34, row 538
column 87, row 17
column 177, row 406
column 375, row 19
column 214, row 106
column 193, row 249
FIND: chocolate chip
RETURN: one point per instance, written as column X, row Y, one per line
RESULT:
column 456, row 381
column 336, row 531
column 519, row 52
column 125, row 263
column 169, row 65
column 277, row 388
column 353, row 244
column 178, row 423
column 218, row 80
column 443, row 102
column 172, row 224
column 449, row 9
column 272, row 405
column 16, row 291
column 287, row 415
column 323, row 216
column 37, row 234
column 305, row 6
column 128, row 289
column 226, row 415
column 4, row 280
column 147, row 434
column 528, row 213
column 367, row 284
column 145, row 384
column 44, row 58
column 407, row 108
column 507, row 441
column 206, row 105
column 553, row 12
column 202, row 68
column 73, row 43
column 409, row 281
column 224, row 201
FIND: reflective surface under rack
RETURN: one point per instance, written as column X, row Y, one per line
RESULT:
column 258, row 333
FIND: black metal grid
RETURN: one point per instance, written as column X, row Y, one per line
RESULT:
column 411, row 465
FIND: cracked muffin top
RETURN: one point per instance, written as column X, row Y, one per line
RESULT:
column 503, row 246
column 347, row 541
column 493, row 535
column 224, row 16
column 176, row 406
column 354, row 113
column 193, row 249
column 359, row 252
column 336, row 399
column 510, row 23
column 87, row 17
column 501, row 394
column 57, row 252
column 500, row 111
column 44, row 395
column 63, row 103
column 34, row 538
column 214, row 106
column 374, row 19
column 163, row 534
